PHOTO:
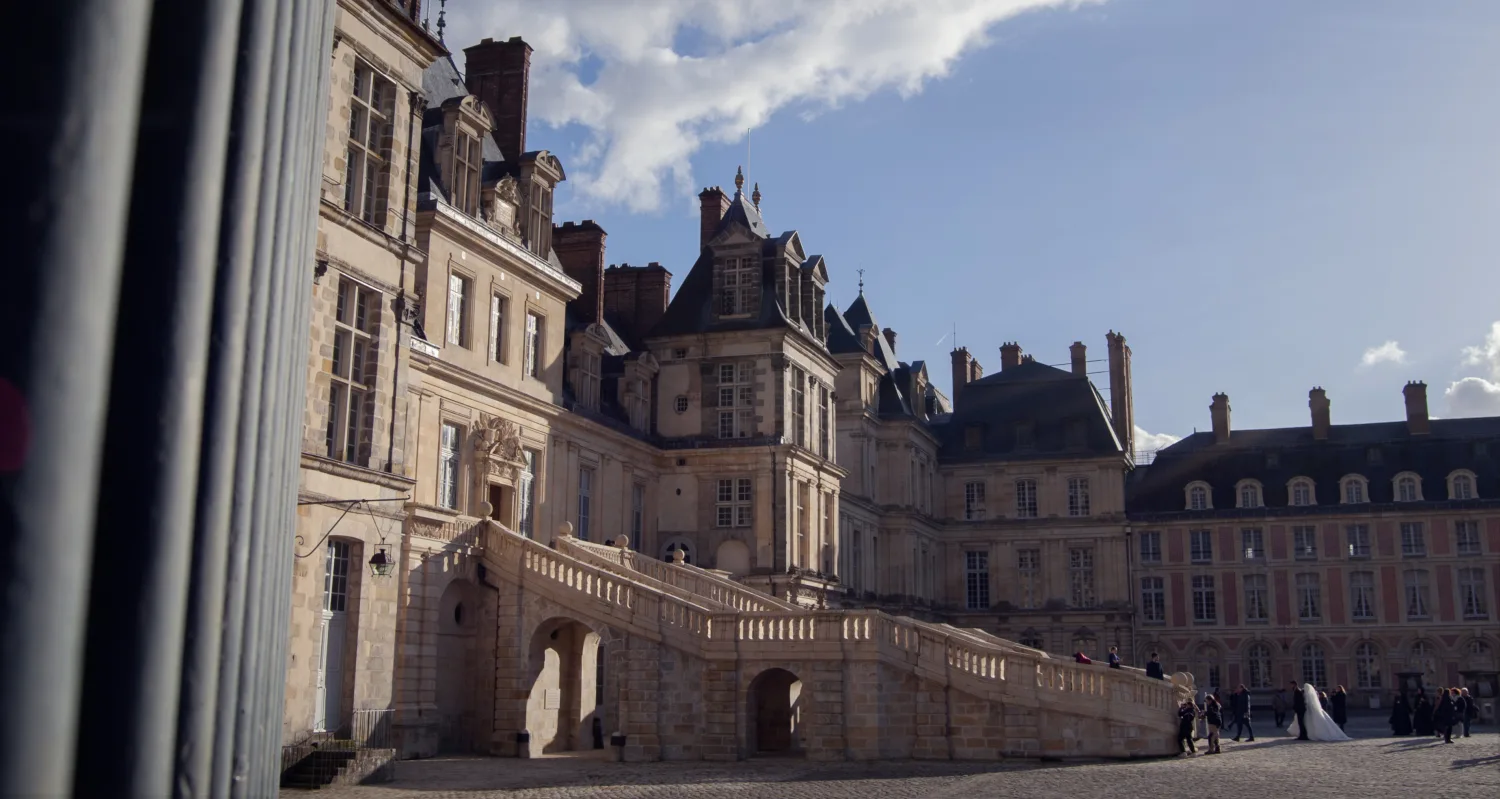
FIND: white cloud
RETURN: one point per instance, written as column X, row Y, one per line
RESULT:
column 649, row 108
column 1486, row 354
column 1147, row 442
column 1389, row 352
column 1473, row 396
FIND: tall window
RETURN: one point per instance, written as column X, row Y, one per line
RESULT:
column 1081, row 576
column 458, row 310
column 1466, row 537
column 1198, row 498
column 1150, row 547
column 637, row 512
column 1471, row 593
column 366, row 170
column 1413, row 540
column 1205, row 601
column 1253, row 543
column 799, row 407
column 1314, row 665
column 585, row 500
column 1028, row 568
column 497, row 328
column 825, row 410
column 527, row 491
column 973, row 501
column 1362, row 596
column 1354, row 491
column 1406, row 489
column 466, row 163
column 588, row 379
column 448, row 453
column 1302, row 493
column 1257, row 604
column 1249, row 495
column 1309, row 597
column 736, row 399
column 1359, row 540
column 733, row 502
column 1153, row 600
column 1416, row 594
column 1078, row 496
column 1258, row 665
column 1463, row 487
column 336, row 577
column 1366, row 667
column 349, row 390
column 977, row 579
column 1305, row 543
column 1201, row 546
column 534, row 332
column 741, row 287
column 1025, row 499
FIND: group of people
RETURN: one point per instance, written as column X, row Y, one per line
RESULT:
column 1319, row 716
column 1213, row 713
column 1454, row 709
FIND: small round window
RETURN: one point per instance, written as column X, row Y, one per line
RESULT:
column 682, row 403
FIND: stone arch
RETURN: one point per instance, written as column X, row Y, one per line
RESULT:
column 567, row 698
column 457, row 653
column 733, row 556
column 774, row 713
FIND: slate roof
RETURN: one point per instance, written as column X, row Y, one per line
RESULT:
column 859, row 314
column 442, row 82
column 1065, row 413
column 1275, row 455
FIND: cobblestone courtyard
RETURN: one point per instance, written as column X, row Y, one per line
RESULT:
column 1273, row 765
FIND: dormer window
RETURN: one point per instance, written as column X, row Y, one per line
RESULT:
column 1300, row 493
column 1352, row 488
column 1025, row 435
column 1199, row 497
column 1461, row 485
column 466, row 165
column 1248, row 492
column 1408, row 487
column 739, row 286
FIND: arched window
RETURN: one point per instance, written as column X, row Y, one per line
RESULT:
column 667, row 552
column 1461, row 485
column 1408, row 487
column 1478, row 647
column 1314, row 665
column 1421, row 649
column 1300, row 493
column 1248, row 494
column 1258, row 665
column 1031, row 638
column 1352, row 489
column 1199, row 497
column 1366, row 666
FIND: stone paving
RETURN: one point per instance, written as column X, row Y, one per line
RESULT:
column 1273, row 766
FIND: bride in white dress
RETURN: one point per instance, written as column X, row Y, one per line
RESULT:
column 1320, row 726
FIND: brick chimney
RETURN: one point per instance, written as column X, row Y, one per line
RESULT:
column 1417, row 422
column 1121, row 391
column 975, row 370
column 1080, row 355
column 867, row 336
column 963, row 371
column 637, row 296
column 580, row 248
column 498, row 73
column 1220, row 412
column 1010, row 355
column 713, row 204
column 1317, row 401
column 890, row 338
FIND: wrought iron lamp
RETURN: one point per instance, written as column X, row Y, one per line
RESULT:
column 381, row 564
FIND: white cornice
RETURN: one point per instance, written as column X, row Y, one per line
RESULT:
column 511, row 248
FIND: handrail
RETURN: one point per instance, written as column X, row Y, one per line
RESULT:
column 704, row 583
column 611, row 559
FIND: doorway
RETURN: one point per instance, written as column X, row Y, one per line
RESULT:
column 329, row 702
column 501, row 498
column 565, row 689
column 456, row 653
column 775, row 699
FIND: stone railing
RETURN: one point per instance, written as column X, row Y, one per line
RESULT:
column 706, row 584
column 615, row 559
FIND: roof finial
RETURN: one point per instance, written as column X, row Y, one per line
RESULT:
column 442, row 22
column 861, row 281
column 739, row 180
column 755, row 197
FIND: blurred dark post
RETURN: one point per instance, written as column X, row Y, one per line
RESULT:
column 159, row 213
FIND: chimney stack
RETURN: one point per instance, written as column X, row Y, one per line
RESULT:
column 867, row 338
column 1220, row 411
column 1010, row 355
column 713, row 204
column 1080, row 358
column 498, row 73
column 580, row 248
column 636, row 296
column 1317, row 400
column 1121, row 392
column 963, row 371
column 890, row 338
column 1417, row 422
column 975, row 370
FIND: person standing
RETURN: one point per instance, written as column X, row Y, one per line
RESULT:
column 1114, row 657
column 1187, row 713
column 1401, row 716
column 1323, row 700
column 1443, row 717
column 1339, row 707
column 1278, row 708
column 1239, row 708
column 1213, row 714
column 1470, row 710
column 1299, row 708
column 1421, row 718
column 1153, row 669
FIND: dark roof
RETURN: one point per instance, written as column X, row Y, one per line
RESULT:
column 1377, row 451
column 841, row 337
column 859, row 314
column 1063, row 414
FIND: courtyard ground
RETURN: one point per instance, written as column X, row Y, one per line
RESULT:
column 1275, row 766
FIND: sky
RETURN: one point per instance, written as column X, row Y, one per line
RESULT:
column 1261, row 196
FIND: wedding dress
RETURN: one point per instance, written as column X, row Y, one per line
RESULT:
column 1320, row 726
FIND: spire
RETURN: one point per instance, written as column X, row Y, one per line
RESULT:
column 755, row 198
column 739, row 180
column 861, row 281
column 442, row 21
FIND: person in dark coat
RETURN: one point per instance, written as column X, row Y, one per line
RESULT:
column 1467, row 710
column 1444, row 716
column 1299, row 707
column 1213, row 714
column 1338, row 707
column 1153, row 669
column 1323, row 700
column 1401, row 716
column 1278, row 708
column 1421, row 718
column 1114, row 657
column 1239, row 708
column 1187, row 713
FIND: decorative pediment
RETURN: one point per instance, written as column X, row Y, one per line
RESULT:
column 497, row 446
column 499, row 206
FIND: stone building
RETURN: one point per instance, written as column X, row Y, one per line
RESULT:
column 1362, row 555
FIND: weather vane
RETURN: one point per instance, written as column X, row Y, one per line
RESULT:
column 861, row 280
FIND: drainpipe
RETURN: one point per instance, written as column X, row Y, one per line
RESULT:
column 415, row 98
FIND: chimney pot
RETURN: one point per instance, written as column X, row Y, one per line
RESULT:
column 963, row 371
column 1417, row 421
column 1010, row 355
column 1080, row 358
column 499, row 74
column 713, row 203
column 1219, row 410
column 890, row 338
column 1121, row 393
column 1317, row 401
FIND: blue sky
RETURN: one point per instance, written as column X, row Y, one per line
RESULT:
column 1255, row 193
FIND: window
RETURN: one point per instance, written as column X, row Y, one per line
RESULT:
column 1258, row 666
column 973, row 501
column 973, row 437
column 668, row 553
column 588, row 379
column 1366, row 666
column 1031, row 638
column 1354, row 490
column 1305, row 543
column 1478, row 648
column 1301, row 493
column 1078, row 496
column 497, row 327
column 736, row 399
column 1257, row 605
column 977, row 579
column 1466, row 536
column 1151, row 547
column 347, row 435
column 741, row 287
column 1471, row 593
column 466, row 164
column 1314, row 665
column 365, row 169
column 1252, row 541
column 1249, row 494
column 1081, row 576
column 1461, row 486
column 680, row 353
column 458, row 310
column 585, row 500
column 1416, row 594
column 336, row 577
column 1025, row 499
column 1362, row 596
column 1153, row 600
column 1028, row 567
column 527, row 491
column 637, row 512
column 680, row 404
column 799, row 407
column 1201, row 545
column 1407, row 488
column 534, row 331
column 825, row 411
column 1359, row 540
column 448, row 454
column 1025, row 435
column 1413, row 540
column 732, row 508
column 1309, row 598
column 1198, row 497
column 1205, row 603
